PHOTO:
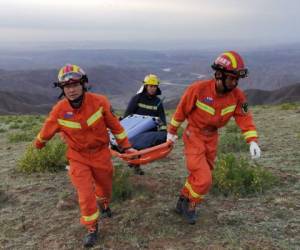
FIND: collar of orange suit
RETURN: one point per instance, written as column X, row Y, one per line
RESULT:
column 76, row 104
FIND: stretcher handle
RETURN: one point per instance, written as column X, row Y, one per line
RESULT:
column 139, row 153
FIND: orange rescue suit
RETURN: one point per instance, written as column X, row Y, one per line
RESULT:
column 85, row 131
column 206, row 111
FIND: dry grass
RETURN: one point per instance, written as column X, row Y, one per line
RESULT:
column 30, row 217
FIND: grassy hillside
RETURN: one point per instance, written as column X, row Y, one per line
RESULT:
column 39, row 211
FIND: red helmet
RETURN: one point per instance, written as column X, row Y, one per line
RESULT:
column 230, row 62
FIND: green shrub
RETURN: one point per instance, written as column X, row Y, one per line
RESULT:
column 6, row 120
column 20, row 136
column 122, row 188
column 289, row 106
column 50, row 158
column 231, row 127
column 19, row 120
column 27, row 118
column 11, row 118
column 2, row 119
column 40, row 118
column 2, row 130
column 33, row 118
column 14, row 126
column 238, row 177
column 28, row 125
column 180, row 132
column 232, row 143
column 231, row 140
column 27, row 135
column 36, row 128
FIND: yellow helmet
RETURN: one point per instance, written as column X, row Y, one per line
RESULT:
column 151, row 80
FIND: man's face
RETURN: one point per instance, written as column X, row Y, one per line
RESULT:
column 231, row 81
column 151, row 89
column 73, row 90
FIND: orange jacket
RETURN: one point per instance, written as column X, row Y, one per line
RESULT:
column 205, row 110
column 83, row 129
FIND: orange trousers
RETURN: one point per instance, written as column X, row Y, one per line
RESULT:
column 200, row 149
column 91, row 174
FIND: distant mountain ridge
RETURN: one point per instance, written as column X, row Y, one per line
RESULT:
column 24, row 103
column 258, row 97
column 118, row 74
column 286, row 94
column 109, row 80
column 270, row 68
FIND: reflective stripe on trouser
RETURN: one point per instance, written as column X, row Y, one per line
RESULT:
column 90, row 182
column 200, row 153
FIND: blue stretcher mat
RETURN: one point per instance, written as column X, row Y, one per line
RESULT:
column 142, row 133
column 135, row 125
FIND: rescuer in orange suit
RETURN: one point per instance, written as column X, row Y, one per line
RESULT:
column 208, row 105
column 83, row 118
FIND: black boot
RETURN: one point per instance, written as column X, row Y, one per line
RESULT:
column 106, row 212
column 189, row 210
column 138, row 170
column 178, row 207
column 90, row 239
column 103, row 206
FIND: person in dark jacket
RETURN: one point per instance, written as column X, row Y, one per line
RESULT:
column 147, row 102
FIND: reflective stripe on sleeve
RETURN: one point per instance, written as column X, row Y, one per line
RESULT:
column 121, row 136
column 40, row 138
column 175, row 123
column 251, row 133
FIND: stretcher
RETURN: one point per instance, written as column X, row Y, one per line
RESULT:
column 147, row 155
column 134, row 125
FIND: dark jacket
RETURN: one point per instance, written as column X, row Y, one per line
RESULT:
column 144, row 104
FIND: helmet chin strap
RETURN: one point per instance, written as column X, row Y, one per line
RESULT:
column 225, row 89
column 78, row 101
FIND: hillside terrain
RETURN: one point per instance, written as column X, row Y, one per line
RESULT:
column 258, row 97
column 20, row 102
column 31, row 216
column 119, row 74
column 286, row 94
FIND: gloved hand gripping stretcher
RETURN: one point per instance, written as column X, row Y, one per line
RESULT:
column 142, row 133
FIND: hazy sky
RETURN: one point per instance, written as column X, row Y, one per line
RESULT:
column 151, row 21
